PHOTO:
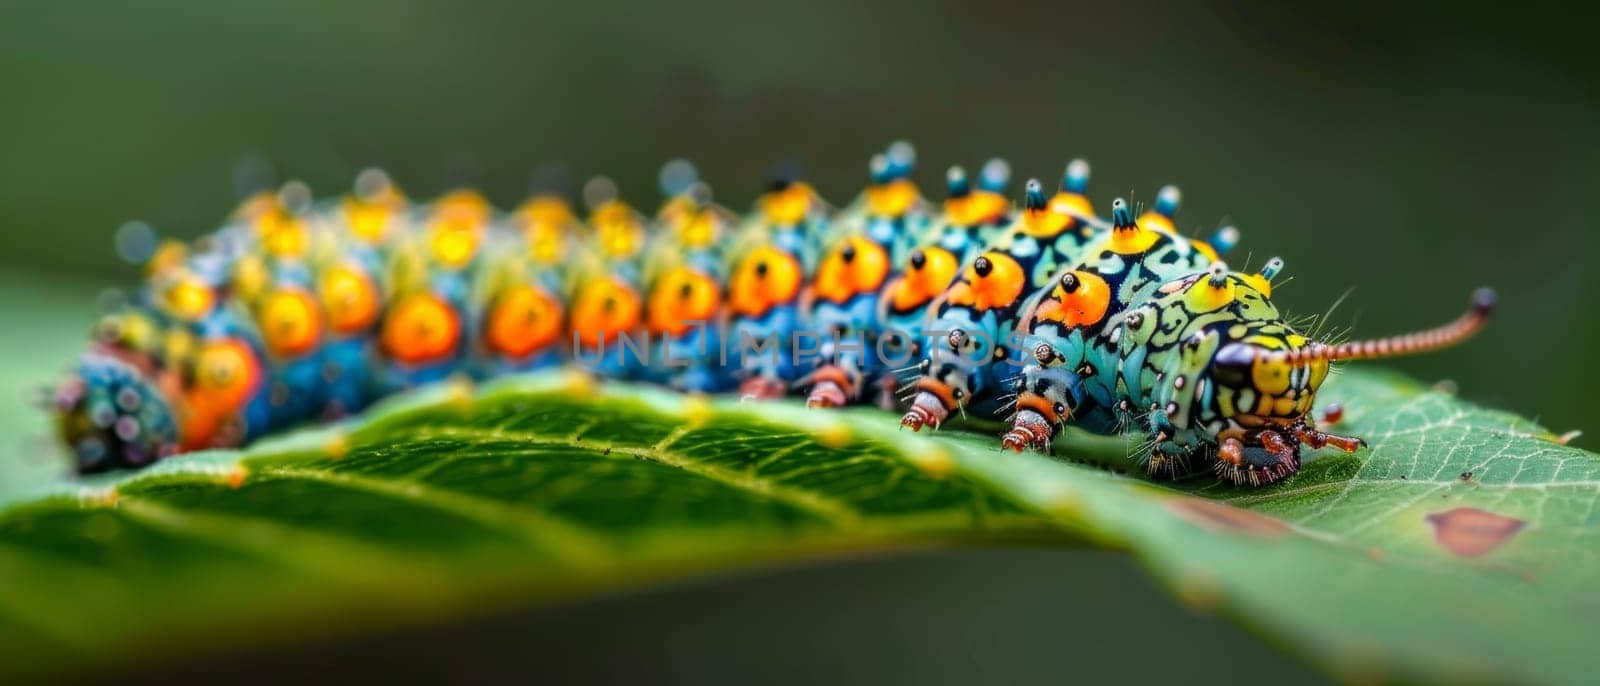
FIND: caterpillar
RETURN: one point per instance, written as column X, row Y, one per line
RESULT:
column 1045, row 313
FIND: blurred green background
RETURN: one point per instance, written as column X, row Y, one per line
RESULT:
column 1410, row 154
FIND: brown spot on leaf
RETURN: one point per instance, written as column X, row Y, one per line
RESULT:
column 1227, row 518
column 1470, row 532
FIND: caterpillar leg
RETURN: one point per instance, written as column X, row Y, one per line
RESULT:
column 832, row 386
column 1172, row 459
column 931, row 406
column 1044, row 402
column 762, row 387
column 1271, row 454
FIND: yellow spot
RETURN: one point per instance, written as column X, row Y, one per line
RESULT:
column 349, row 297
column 105, row 498
column 168, row 256
column 788, row 206
column 578, row 383
column 459, row 388
column 454, row 247
column 461, row 209
column 892, row 199
column 188, row 298
column 936, row 463
column 1132, row 241
column 1155, row 221
column 1256, row 281
column 698, row 230
column 283, row 234
column 1045, row 223
column 546, row 222
column 290, row 323
column 696, row 409
column 236, row 477
column 1202, row 296
column 178, row 345
column 369, row 220
column 337, row 447
column 834, row 435
column 250, row 277
column 1072, row 205
column 617, row 228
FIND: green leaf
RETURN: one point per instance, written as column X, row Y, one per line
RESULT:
column 1457, row 546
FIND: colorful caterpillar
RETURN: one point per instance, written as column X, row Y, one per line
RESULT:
column 296, row 310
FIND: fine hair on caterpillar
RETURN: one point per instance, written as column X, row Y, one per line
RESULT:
column 1036, row 309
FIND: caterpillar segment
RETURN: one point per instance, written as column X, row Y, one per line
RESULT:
column 768, row 288
column 869, row 250
column 686, row 274
column 973, row 328
column 1044, row 313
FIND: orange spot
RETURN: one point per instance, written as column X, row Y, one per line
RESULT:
column 682, row 299
column 920, row 284
column 225, row 375
column 766, row 277
column 1000, row 286
column 1470, row 532
column 839, row 279
column 236, row 477
column 1086, row 304
column 349, row 297
column 977, row 207
column 420, row 328
column 523, row 319
column 290, row 322
column 604, row 308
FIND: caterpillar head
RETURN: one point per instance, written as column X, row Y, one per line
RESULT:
column 1243, row 384
column 113, row 415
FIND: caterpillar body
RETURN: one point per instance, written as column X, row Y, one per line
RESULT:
column 1046, row 313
